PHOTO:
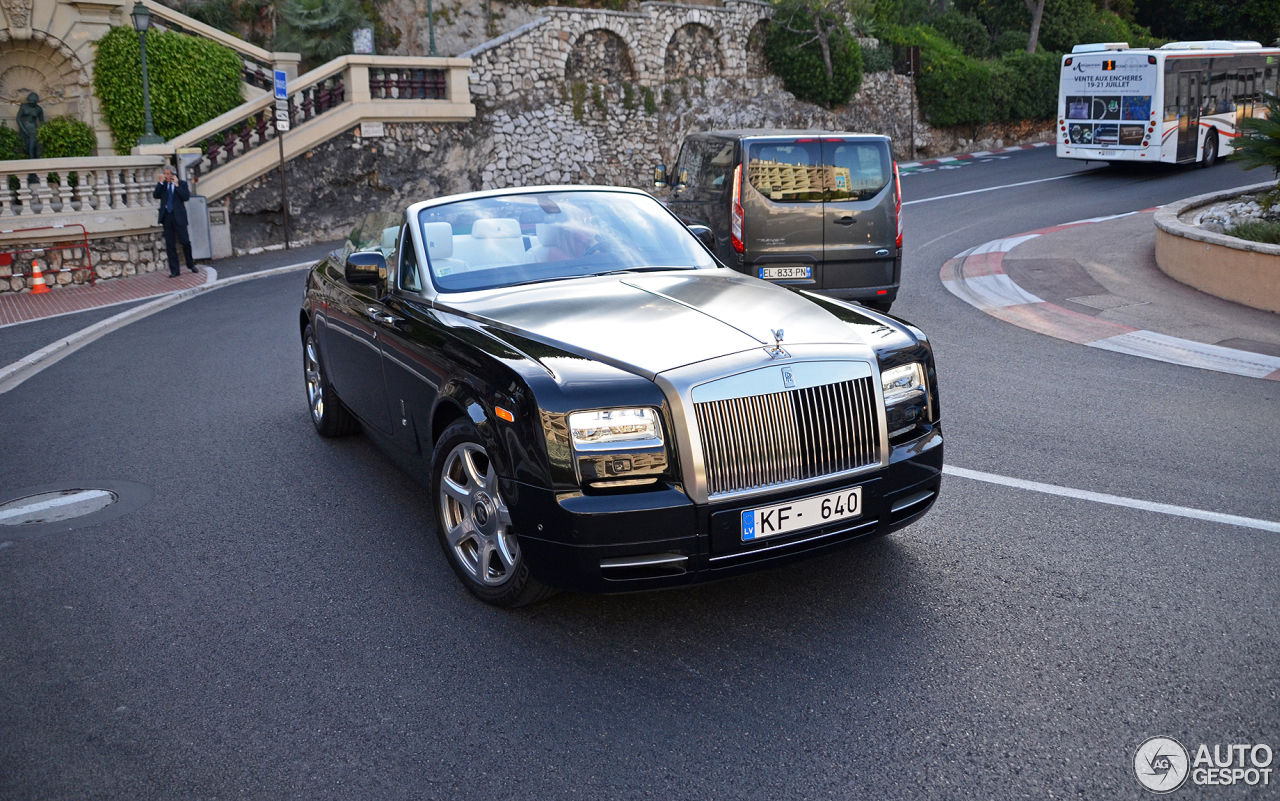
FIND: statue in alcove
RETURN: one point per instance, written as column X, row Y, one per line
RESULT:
column 30, row 118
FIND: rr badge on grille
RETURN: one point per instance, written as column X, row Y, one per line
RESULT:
column 788, row 379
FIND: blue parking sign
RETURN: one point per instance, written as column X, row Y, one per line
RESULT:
column 282, row 84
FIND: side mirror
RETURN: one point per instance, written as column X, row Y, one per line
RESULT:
column 365, row 267
column 660, row 177
column 682, row 180
column 705, row 236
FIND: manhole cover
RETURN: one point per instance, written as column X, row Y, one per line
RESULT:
column 52, row 507
column 31, row 511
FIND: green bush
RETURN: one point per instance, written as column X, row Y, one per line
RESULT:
column 192, row 81
column 966, row 33
column 957, row 90
column 794, row 57
column 10, row 143
column 67, row 137
column 877, row 59
column 1011, row 42
column 1265, row 232
column 1026, row 86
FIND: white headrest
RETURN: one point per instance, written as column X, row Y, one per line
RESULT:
column 495, row 228
column 439, row 239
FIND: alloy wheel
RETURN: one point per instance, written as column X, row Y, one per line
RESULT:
column 315, row 384
column 476, row 520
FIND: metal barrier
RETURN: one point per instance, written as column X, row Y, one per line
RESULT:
column 6, row 257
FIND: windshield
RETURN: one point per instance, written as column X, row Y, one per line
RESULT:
column 518, row 239
column 374, row 231
column 812, row 170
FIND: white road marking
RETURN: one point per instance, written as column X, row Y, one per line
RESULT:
column 52, row 503
column 1114, row 500
column 994, row 188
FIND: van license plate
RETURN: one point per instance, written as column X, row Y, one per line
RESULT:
column 802, row 513
column 787, row 272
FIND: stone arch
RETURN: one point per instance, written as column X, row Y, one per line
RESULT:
column 600, row 56
column 757, row 66
column 50, row 69
column 693, row 52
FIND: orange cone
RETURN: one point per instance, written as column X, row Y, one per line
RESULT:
column 38, row 286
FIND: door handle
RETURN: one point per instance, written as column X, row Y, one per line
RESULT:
column 375, row 313
column 845, row 221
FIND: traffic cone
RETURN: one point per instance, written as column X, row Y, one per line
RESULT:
column 38, row 286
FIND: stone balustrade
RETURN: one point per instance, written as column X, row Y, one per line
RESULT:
column 93, row 191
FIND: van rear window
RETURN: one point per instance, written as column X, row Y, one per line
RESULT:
column 789, row 172
column 813, row 171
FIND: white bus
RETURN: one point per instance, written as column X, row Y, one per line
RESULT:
column 1182, row 103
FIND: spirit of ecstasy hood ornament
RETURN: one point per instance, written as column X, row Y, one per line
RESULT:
column 777, row 351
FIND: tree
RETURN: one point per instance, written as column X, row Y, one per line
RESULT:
column 1260, row 147
column 318, row 29
column 1036, row 7
column 811, row 50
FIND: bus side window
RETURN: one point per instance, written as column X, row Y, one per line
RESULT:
column 1170, row 93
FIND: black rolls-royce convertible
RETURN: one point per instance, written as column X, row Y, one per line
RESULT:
column 603, row 406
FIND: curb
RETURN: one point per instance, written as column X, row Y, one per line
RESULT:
column 14, row 374
column 977, row 277
column 1167, row 220
column 911, row 165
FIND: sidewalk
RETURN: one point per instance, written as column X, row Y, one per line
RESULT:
column 22, row 307
column 1096, row 283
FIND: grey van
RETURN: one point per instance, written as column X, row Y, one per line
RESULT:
column 817, row 209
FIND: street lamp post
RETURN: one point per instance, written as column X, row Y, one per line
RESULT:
column 141, row 16
column 431, row 28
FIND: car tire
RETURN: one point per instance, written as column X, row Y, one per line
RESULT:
column 474, row 524
column 1210, row 156
column 328, row 415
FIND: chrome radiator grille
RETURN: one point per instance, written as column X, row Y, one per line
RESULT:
column 788, row 436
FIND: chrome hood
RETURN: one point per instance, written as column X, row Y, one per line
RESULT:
column 651, row 323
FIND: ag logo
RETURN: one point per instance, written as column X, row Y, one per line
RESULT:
column 1161, row 764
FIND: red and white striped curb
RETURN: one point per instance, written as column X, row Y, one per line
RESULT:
column 977, row 277
column 911, row 165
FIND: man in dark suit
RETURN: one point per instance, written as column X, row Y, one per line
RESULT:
column 173, row 195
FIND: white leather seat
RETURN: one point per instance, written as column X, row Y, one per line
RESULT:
column 494, row 242
column 439, row 239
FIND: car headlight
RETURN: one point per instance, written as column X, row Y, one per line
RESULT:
column 618, row 447
column 906, row 400
column 614, row 425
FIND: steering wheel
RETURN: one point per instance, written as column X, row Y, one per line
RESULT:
column 599, row 247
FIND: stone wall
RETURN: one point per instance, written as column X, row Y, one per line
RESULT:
column 661, row 42
column 112, row 258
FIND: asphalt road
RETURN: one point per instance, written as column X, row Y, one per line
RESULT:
column 279, row 622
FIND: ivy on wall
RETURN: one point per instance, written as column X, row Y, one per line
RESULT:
column 192, row 81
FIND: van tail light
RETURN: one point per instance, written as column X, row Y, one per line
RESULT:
column 897, row 203
column 736, row 216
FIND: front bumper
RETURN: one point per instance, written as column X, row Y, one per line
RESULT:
column 651, row 540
